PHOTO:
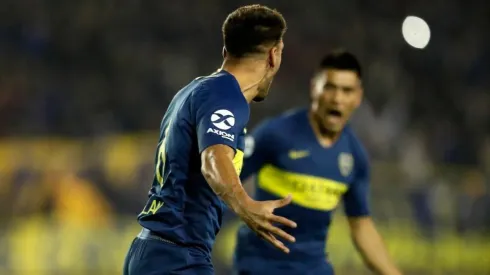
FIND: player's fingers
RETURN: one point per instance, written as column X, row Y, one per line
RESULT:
column 283, row 202
column 279, row 232
column 275, row 242
column 284, row 221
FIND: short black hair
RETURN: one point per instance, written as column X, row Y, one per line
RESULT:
column 252, row 29
column 341, row 60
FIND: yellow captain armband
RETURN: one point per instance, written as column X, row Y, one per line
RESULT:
column 238, row 161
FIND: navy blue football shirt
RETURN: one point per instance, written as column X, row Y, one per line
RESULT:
column 182, row 207
column 287, row 158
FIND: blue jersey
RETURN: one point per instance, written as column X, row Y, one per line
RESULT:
column 287, row 158
column 182, row 207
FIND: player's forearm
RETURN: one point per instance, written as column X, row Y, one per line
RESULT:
column 222, row 177
column 372, row 249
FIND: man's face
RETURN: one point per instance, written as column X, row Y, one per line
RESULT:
column 273, row 64
column 335, row 94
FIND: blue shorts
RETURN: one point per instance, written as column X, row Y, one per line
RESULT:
column 267, row 267
column 148, row 256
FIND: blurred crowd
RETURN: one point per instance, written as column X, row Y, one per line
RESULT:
column 90, row 69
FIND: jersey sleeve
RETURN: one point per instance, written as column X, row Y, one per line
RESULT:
column 356, row 199
column 257, row 150
column 220, row 118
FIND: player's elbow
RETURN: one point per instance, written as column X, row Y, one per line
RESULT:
column 208, row 176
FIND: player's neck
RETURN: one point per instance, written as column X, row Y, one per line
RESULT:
column 246, row 74
column 324, row 137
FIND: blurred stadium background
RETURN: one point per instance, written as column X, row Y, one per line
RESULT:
column 84, row 84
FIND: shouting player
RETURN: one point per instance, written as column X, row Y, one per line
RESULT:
column 200, row 154
column 313, row 154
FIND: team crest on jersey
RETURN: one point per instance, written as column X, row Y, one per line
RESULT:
column 249, row 146
column 346, row 163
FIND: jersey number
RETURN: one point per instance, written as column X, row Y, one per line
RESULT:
column 161, row 157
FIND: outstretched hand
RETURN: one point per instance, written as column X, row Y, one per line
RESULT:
column 259, row 216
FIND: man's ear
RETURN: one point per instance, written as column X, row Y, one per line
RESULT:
column 312, row 83
column 223, row 52
column 361, row 97
column 273, row 58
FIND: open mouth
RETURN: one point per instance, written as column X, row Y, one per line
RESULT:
column 334, row 113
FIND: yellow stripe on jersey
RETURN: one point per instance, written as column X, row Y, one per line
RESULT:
column 238, row 161
column 308, row 191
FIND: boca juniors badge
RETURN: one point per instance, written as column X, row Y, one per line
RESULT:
column 346, row 163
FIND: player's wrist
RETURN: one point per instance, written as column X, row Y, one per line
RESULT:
column 242, row 200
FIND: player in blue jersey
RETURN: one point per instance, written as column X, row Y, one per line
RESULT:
column 200, row 155
column 313, row 154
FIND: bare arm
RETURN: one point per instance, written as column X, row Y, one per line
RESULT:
column 370, row 245
column 219, row 172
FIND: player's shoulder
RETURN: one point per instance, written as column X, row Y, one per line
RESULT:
column 220, row 84
column 358, row 149
column 219, row 91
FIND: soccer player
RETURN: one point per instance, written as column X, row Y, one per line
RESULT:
column 314, row 155
column 200, row 155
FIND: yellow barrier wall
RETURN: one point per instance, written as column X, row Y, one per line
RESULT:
column 44, row 243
